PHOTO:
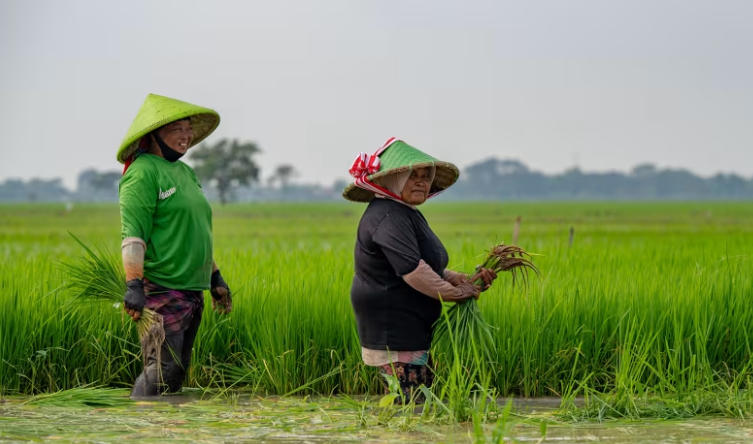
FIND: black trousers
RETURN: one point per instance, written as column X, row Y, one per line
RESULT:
column 175, row 359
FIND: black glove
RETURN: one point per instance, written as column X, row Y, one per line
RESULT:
column 218, row 282
column 135, row 298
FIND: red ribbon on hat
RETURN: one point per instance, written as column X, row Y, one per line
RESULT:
column 366, row 164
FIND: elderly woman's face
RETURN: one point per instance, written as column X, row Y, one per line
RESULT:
column 416, row 189
column 177, row 135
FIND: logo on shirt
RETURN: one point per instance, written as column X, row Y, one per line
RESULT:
column 165, row 194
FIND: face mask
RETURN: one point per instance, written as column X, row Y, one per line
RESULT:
column 168, row 153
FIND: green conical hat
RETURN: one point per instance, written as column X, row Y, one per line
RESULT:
column 158, row 111
column 397, row 156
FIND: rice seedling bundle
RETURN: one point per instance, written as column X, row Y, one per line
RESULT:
column 464, row 329
column 86, row 396
column 98, row 275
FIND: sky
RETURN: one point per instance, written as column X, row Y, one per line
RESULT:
column 603, row 85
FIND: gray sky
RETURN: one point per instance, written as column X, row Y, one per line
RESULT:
column 606, row 84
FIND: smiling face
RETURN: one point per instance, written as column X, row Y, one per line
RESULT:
column 416, row 189
column 177, row 135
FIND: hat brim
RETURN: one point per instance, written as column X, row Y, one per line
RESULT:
column 445, row 176
column 203, row 123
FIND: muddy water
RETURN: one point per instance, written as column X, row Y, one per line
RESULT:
column 239, row 419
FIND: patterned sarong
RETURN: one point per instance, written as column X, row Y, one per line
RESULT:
column 177, row 307
column 410, row 377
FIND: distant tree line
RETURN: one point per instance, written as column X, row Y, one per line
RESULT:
column 34, row 190
column 227, row 169
column 496, row 179
column 229, row 172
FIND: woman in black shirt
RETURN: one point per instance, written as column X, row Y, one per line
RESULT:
column 400, row 264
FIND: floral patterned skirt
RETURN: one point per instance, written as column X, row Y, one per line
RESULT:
column 177, row 307
column 410, row 377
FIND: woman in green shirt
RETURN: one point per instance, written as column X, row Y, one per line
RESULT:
column 166, row 232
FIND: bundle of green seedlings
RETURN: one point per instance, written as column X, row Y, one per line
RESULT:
column 98, row 275
column 85, row 396
column 461, row 332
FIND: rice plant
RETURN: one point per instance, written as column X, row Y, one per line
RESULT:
column 465, row 321
column 651, row 300
column 98, row 275
column 81, row 397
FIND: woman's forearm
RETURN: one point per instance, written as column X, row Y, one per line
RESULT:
column 425, row 280
column 133, row 250
column 454, row 277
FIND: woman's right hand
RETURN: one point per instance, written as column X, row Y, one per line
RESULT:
column 486, row 275
column 134, row 298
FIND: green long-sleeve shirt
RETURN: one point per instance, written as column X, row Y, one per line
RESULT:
column 163, row 204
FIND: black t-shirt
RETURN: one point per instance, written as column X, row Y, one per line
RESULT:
column 390, row 314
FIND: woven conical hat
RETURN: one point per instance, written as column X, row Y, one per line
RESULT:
column 398, row 157
column 158, row 111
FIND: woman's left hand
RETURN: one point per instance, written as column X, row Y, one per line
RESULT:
column 222, row 299
column 486, row 275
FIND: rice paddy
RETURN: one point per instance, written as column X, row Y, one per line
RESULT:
column 195, row 418
column 642, row 310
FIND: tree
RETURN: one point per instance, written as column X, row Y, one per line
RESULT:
column 644, row 170
column 107, row 181
column 226, row 165
column 95, row 186
column 283, row 174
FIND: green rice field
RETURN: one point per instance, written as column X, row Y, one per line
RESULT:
column 646, row 314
